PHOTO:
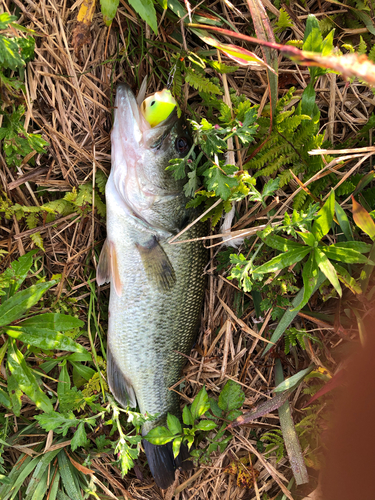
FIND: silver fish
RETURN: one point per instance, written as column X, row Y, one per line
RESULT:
column 157, row 289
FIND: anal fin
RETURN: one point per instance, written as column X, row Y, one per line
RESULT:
column 157, row 266
column 108, row 267
column 119, row 386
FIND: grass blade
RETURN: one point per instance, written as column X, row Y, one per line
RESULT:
column 292, row 444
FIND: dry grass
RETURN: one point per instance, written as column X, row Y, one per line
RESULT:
column 69, row 101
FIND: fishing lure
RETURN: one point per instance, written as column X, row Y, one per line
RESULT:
column 158, row 107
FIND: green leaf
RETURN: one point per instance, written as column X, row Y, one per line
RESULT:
column 290, row 314
column 200, row 404
column 25, row 378
column 5, row 399
column 327, row 269
column 343, row 222
column 218, row 181
column 9, row 54
column 21, row 267
column 358, row 246
column 69, row 481
column 16, row 306
column 282, row 244
column 53, row 321
column 15, row 394
column 83, row 371
column 63, row 385
column 292, row 382
column 146, row 9
column 79, row 438
column 187, row 417
column 307, row 237
column 205, row 425
column 159, row 435
column 323, row 223
column 310, row 275
column 283, row 260
column 174, row 425
column 176, row 445
column 347, row 255
column 5, row 19
column 231, row 397
column 44, row 338
column 54, row 421
column 346, row 278
column 109, row 9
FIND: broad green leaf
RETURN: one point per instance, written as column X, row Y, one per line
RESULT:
column 63, row 385
column 347, row 255
column 358, row 246
column 109, row 9
column 159, row 435
column 346, row 278
column 200, row 404
column 79, row 438
column 68, row 479
column 174, row 425
column 44, row 338
column 307, row 237
column 363, row 219
column 83, row 371
column 282, row 244
column 5, row 399
column 53, row 321
column 16, row 306
column 26, row 380
column 284, row 260
column 176, row 445
column 146, row 9
column 15, row 395
column 310, row 275
column 312, row 43
column 290, row 314
column 292, row 382
column 344, row 222
column 187, row 416
column 21, row 267
column 323, row 223
column 206, row 425
column 327, row 269
column 79, row 356
column 231, row 397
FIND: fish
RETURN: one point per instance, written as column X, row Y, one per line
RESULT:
column 156, row 288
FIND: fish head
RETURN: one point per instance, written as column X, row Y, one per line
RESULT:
column 141, row 154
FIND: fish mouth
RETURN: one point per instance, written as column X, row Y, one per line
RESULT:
column 131, row 124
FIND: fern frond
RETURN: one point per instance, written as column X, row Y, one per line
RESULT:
column 200, row 82
column 37, row 240
column 100, row 181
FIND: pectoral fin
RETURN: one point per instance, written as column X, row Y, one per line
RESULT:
column 118, row 384
column 108, row 267
column 158, row 267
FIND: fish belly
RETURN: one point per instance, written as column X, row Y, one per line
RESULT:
column 150, row 327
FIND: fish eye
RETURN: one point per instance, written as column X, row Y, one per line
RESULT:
column 182, row 145
column 153, row 102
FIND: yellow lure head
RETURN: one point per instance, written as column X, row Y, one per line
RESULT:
column 158, row 107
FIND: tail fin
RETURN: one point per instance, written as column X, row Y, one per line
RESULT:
column 162, row 463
